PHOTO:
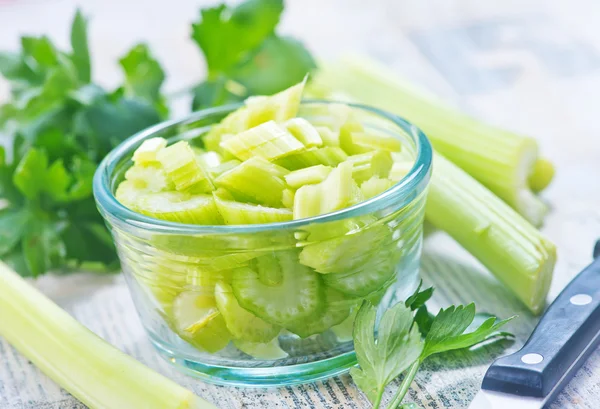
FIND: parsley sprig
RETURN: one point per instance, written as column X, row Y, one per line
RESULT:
column 406, row 336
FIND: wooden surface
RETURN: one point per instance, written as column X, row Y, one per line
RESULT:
column 532, row 66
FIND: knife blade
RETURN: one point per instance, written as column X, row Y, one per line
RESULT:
column 567, row 334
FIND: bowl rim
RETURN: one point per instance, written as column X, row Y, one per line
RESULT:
column 418, row 176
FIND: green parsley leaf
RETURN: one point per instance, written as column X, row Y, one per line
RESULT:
column 277, row 64
column 226, row 34
column 12, row 227
column 448, row 330
column 419, row 298
column 214, row 93
column 143, row 74
column 79, row 44
column 383, row 358
column 42, row 247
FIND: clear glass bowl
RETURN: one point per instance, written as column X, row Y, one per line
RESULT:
column 370, row 250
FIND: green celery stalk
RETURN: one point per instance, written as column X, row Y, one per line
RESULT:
column 93, row 371
column 509, row 246
column 501, row 160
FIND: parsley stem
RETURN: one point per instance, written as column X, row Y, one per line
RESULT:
column 377, row 402
column 405, row 385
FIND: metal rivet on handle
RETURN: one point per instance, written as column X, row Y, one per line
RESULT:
column 532, row 359
column 581, row 299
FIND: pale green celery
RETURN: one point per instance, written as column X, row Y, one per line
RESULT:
column 179, row 207
column 329, row 156
column 245, row 213
column 216, row 171
column 287, row 198
column 146, row 153
column 209, row 159
column 542, row 175
column 255, row 180
column 95, row 372
column 503, row 241
column 268, row 140
column 328, row 136
column 307, row 176
column 373, row 163
column 374, row 186
column 304, row 131
column 181, row 165
column 499, row 159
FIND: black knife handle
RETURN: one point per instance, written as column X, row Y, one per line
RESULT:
column 564, row 338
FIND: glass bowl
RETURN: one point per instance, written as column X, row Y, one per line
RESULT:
column 327, row 265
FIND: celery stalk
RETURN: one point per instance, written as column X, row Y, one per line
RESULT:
column 93, row 371
column 510, row 247
column 543, row 172
column 500, row 160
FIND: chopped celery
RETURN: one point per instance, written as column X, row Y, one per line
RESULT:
column 255, row 180
column 346, row 134
column 287, row 198
column 304, row 131
column 501, row 160
column 334, row 193
column 328, row 136
column 217, row 171
column 242, row 324
column 298, row 297
column 209, row 159
column 147, row 151
column 128, row 193
column 373, row 163
column 179, row 207
column 373, row 141
column 180, row 163
column 329, row 156
column 93, row 371
column 517, row 253
column 279, row 107
column 307, row 176
column 268, row 140
column 244, row 213
column 375, row 186
column 337, row 308
column 199, row 321
column 150, row 178
column 270, row 350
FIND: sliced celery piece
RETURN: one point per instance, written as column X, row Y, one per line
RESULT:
column 363, row 279
column 93, row 371
column 399, row 170
column 270, row 350
column 179, row 207
column 279, row 107
column 209, row 159
column 501, row 160
column 307, row 176
column 329, row 156
column 147, row 151
column 205, row 279
column 241, row 323
column 334, row 193
column 373, row 163
column 127, row 193
column 299, row 295
column 150, row 178
column 256, row 180
column 217, row 171
column 304, row 131
column 199, row 321
column 346, row 134
column 287, row 198
column 347, row 252
column 244, row 213
column 343, row 331
column 268, row 269
column 268, row 140
column 337, row 308
column 373, row 141
column 375, row 186
column 511, row 248
column 328, row 136
column 180, row 163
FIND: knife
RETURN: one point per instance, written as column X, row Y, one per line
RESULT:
column 565, row 337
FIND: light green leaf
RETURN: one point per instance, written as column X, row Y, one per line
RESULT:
column 277, row 64
column 79, row 44
column 448, row 330
column 12, row 226
column 226, row 34
column 42, row 248
column 143, row 74
column 383, row 358
column 29, row 174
